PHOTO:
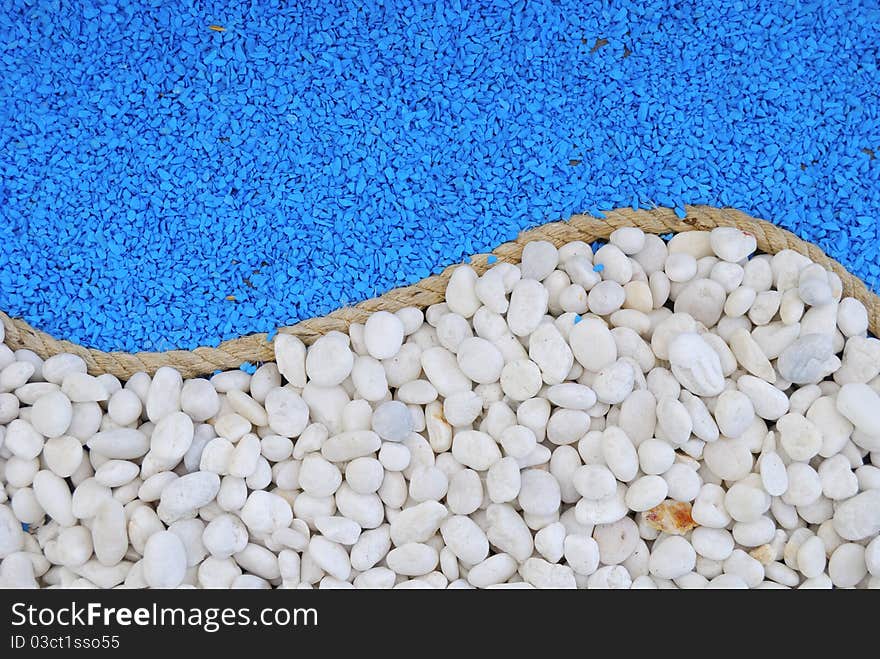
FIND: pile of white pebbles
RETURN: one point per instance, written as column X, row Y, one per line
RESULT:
column 651, row 415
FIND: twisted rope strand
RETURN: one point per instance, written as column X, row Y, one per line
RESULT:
column 255, row 348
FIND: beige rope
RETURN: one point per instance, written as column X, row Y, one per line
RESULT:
column 254, row 347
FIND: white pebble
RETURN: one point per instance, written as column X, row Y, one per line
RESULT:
column 383, row 334
column 164, row 560
column 731, row 244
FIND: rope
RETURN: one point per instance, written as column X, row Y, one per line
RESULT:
column 254, row 347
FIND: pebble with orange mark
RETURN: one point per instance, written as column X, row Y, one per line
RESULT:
column 438, row 428
column 765, row 554
column 671, row 517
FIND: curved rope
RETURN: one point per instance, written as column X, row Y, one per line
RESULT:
column 254, row 347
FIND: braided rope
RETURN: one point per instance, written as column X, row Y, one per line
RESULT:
column 255, row 348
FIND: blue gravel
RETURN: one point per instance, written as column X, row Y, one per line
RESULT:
column 178, row 173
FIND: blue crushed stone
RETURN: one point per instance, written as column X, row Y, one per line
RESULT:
column 164, row 184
